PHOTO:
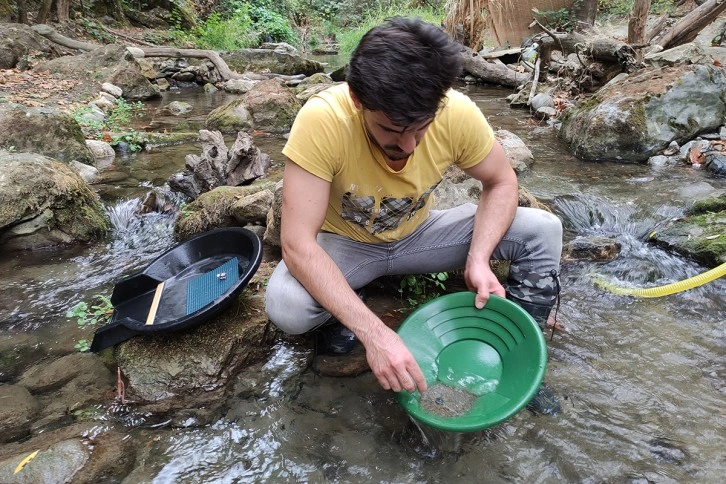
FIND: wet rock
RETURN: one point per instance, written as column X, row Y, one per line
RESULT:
column 691, row 53
column 545, row 113
column 112, row 89
column 282, row 47
column 18, row 410
column 541, row 100
column 89, row 174
column 238, row 86
column 58, row 463
column 272, row 230
column 43, row 202
column 339, row 74
column 103, row 152
column 667, row 450
column 660, row 161
column 310, row 91
column 701, row 235
column 352, row 364
column 318, row 78
column 18, row 351
column 178, row 108
column 601, row 249
column 52, row 377
column 519, row 155
column 70, row 382
column 190, row 369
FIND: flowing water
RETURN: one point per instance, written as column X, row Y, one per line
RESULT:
column 640, row 381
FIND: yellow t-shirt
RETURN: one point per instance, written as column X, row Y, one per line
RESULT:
column 370, row 202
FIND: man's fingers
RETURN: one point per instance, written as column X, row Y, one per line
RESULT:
column 482, row 296
column 417, row 379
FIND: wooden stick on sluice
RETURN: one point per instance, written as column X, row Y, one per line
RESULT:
column 155, row 304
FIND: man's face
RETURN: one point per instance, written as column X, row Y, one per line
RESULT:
column 396, row 142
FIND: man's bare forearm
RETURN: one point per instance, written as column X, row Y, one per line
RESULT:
column 494, row 215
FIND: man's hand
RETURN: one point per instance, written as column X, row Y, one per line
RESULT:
column 480, row 279
column 393, row 364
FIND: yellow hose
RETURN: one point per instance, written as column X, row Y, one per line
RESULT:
column 690, row 283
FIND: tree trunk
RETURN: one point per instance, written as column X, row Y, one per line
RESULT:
column 62, row 7
column 636, row 25
column 44, row 11
column 50, row 34
column 490, row 72
column 116, row 10
column 584, row 12
column 224, row 71
column 689, row 26
column 22, row 11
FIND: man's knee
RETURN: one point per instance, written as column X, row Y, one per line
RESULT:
column 288, row 311
column 544, row 227
column 551, row 226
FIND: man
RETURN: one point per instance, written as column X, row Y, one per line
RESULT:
column 362, row 160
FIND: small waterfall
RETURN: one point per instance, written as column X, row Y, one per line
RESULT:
column 639, row 263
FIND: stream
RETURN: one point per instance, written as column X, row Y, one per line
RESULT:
column 641, row 382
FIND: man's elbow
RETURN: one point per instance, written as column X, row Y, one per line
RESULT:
column 295, row 251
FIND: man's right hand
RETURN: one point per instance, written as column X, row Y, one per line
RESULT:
column 392, row 363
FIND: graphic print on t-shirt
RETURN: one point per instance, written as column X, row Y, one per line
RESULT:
column 391, row 213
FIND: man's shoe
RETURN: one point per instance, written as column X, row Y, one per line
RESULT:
column 335, row 339
column 539, row 312
column 544, row 402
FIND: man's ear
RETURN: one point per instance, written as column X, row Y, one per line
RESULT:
column 356, row 101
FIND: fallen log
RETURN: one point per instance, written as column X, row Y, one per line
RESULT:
column 224, row 71
column 686, row 29
column 49, row 33
column 490, row 72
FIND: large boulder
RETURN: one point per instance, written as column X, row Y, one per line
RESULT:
column 16, row 419
column 273, row 106
column 701, row 235
column 19, row 40
column 267, row 106
column 193, row 368
column 278, row 61
column 230, row 118
column 112, row 63
column 224, row 206
column 43, row 202
column 43, row 130
column 638, row 116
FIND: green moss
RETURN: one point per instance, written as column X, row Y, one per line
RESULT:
column 638, row 117
column 715, row 204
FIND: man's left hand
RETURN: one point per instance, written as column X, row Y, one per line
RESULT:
column 480, row 279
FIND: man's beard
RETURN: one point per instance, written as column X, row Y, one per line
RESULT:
column 395, row 154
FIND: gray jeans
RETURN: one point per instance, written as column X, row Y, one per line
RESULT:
column 533, row 244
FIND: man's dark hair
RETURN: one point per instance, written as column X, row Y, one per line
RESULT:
column 404, row 68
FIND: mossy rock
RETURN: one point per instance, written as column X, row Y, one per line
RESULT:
column 701, row 236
